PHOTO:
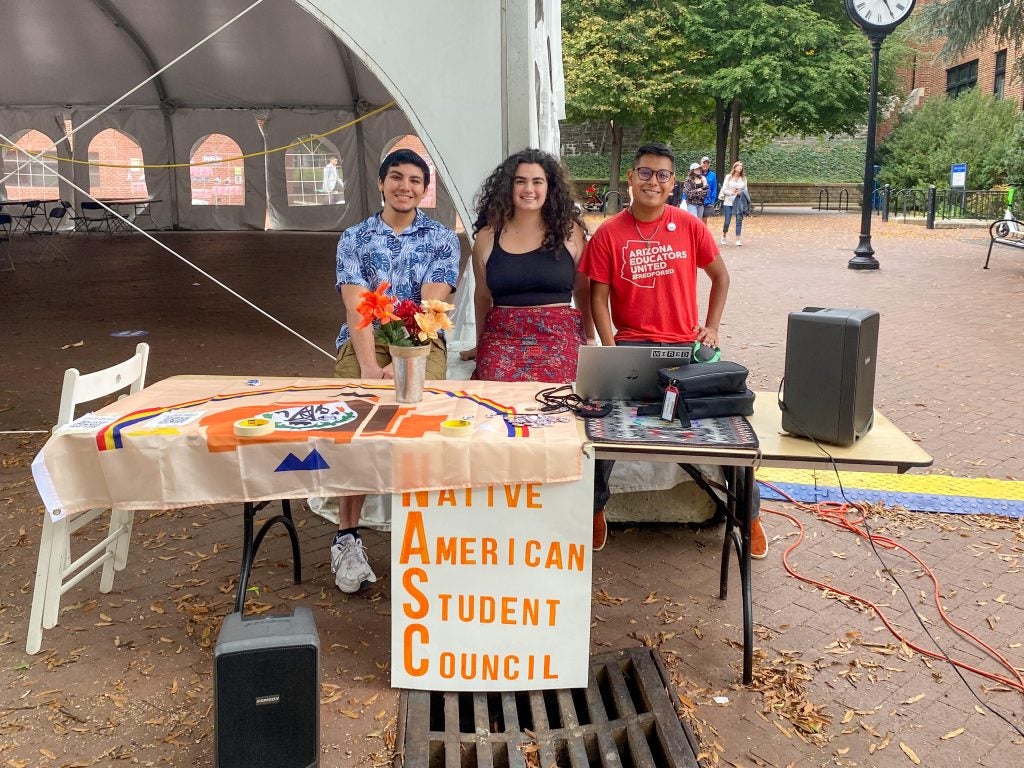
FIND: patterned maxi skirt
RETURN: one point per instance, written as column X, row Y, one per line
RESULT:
column 530, row 344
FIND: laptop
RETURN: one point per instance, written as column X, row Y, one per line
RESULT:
column 625, row 373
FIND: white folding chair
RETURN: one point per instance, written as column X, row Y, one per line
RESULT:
column 56, row 572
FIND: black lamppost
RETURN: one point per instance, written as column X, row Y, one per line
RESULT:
column 877, row 18
column 864, row 254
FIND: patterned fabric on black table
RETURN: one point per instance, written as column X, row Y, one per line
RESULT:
column 622, row 425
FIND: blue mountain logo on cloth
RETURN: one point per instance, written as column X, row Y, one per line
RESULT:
column 293, row 463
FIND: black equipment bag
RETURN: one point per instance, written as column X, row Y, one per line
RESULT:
column 705, row 391
column 699, row 380
column 712, row 406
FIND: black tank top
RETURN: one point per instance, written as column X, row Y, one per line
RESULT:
column 540, row 276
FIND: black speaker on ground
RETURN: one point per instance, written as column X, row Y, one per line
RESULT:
column 266, row 687
column 829, row 389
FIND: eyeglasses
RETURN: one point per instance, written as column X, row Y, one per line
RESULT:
column 645, row 174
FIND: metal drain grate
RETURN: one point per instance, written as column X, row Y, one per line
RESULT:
column 624, row 718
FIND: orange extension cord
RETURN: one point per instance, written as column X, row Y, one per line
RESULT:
column 840, row 515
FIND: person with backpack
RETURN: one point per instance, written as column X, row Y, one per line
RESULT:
column 695, row 189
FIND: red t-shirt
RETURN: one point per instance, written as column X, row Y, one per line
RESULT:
column 652, row 283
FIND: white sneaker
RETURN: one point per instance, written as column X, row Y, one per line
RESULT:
column 738, row 243
column 349, row 565
column 723, row 240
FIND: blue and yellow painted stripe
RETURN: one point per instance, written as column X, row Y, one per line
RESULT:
column 923, row 493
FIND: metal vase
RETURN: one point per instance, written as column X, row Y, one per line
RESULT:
column 410, row 367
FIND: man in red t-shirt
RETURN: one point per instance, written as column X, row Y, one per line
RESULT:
column 642, row 264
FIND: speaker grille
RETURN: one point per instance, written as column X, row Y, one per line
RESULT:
column 267, row 705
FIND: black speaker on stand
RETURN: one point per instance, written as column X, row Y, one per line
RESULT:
column 829, row 389
column 266, row 687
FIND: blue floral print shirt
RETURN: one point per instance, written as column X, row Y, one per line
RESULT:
column 370, row 253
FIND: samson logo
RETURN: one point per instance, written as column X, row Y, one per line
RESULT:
column 272, row 699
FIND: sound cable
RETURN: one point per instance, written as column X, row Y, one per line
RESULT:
column 562, row 399
column 1016, row 684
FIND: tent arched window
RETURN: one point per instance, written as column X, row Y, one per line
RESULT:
column 125, row 176
column 217, row 174
column 409, row 141
column 313, row 173
column 34, row 180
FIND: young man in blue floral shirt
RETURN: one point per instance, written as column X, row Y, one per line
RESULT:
column 419, row 259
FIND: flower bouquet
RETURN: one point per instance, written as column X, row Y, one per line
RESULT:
column 404, row 323
column 407, row 328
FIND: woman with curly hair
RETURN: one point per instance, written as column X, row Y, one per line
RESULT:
column 529, row 239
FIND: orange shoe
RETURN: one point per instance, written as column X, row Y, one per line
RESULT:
column 600, row 531
column 758, row 541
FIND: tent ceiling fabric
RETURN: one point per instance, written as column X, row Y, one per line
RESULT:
column 465, row 74
column 72, row 53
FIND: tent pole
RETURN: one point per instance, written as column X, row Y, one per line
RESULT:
column 167, row 111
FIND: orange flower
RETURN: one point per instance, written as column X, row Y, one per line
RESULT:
column 376, row 305
column 433, row 318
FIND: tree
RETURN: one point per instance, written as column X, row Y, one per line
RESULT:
column 799, row 66
column 1015, row 156
column 975, row 128
column 626, row 64
column 965, row 22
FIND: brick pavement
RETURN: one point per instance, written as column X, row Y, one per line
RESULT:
column 127, row 675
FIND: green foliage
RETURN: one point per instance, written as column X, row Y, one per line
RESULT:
column 625, row 60
column 974, row 129
column 1015, row 155
column 800, row 63
column 824, row 162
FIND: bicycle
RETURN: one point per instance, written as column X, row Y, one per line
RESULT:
column 593, row 202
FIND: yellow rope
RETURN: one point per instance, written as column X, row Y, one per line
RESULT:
column 265, row 152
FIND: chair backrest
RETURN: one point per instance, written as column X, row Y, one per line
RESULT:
column 57, row 213
column 82, row 388
column 5, row 223
column 91, row 210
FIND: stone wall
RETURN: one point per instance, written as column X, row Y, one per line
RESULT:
column 596, row 139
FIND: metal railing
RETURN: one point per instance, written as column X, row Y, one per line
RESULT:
column 948, row 204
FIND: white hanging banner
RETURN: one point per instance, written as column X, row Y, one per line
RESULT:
column 491, row 587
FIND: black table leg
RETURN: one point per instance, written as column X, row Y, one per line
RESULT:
column 740, row 484
column 745, row 501
column 250, row 545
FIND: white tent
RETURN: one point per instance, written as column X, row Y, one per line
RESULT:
column 473, row 79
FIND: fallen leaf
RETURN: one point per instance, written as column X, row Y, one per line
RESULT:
column 847, row 717
column 915, row 699
column 952, row 734
column 910, row 753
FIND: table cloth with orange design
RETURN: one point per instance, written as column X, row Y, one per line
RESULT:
column 173, row 444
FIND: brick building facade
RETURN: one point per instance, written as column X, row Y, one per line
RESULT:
column 989, row 66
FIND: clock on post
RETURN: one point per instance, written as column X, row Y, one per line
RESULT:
column 879, row 15
column 877, row 18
